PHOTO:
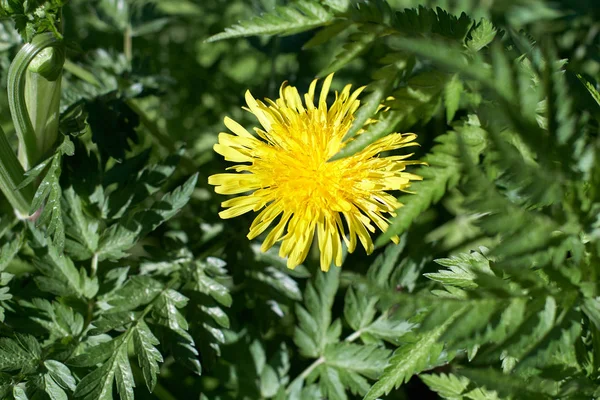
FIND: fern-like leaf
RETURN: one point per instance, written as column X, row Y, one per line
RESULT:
column 410, row 359
column 442, row 174
column 301, row 15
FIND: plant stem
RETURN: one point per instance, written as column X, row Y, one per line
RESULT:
column 128, row 45
column 304, row 374
column 11, row 175
column 94, row 266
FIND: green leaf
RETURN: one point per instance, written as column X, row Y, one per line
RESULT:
column 9, row 251
column 539, row 322
column 299, row 16
column 509, row 384
column 61, row 374
column 123, row 235
column 203, row 276
column 124, row 375
column 60, row 320
column 48, row 196
column 52, row 389
column 337, row 5
column 359, row 43
column 331, row 383
column 590, row 87
column 591, row 308
column 562, row 122
column 384, row 78
column 82, row 228
column 311, row 334
column 97, row 354
column 148, row 356
column 410, row 359
column 21, row 353
column 463, row 270
column 367, row 360
column 145, row 183
column 448, row 386
column 417, row 101
column 481, row 35
column 279, row 281
column 98, row 384
column 452, row 93
column 60, row 276
column 359, row 308
column 166, row 313
column 442, row 174
column 137, row 291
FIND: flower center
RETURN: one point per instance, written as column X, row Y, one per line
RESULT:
column 304, row 179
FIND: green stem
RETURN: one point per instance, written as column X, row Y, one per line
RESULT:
column 128, row 45
column 16, row 94
column 304, row 374
column 11, row 175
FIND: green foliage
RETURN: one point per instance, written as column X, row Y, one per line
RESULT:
column 33, row 17
column 299, row 16
column 47, row 198
column 125, row 284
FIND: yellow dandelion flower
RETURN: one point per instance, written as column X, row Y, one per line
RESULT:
column 286, row 174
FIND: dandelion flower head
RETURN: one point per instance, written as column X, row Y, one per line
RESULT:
column 284, row 172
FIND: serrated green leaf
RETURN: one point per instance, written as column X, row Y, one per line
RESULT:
column 481, row 35
column 311, row 335
column 417, row 101
column 82, row 228
column 441, row 174
column 410, row 359
column 98, row 384
column 367, row 360
column 48, row 195
column 507, row 384
column 301, row 15
column 331, row 383
column 96, row 354
column 110, row 321
column 60, row 276
column 203, row 280
column 279, row 281
column 60, row 320
column 463, row 270
column 448, row 386
column 591, row 89
column 21, row 353
column 124, row 375
column 165, row 312
column 148, row 356
column 377, row 90
column 137, row 291
column 123, row 235
column 359, row 308
column 61, row 374
column 9, row 251
column 144, row 183
column 359, row 44
column 562, row 122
